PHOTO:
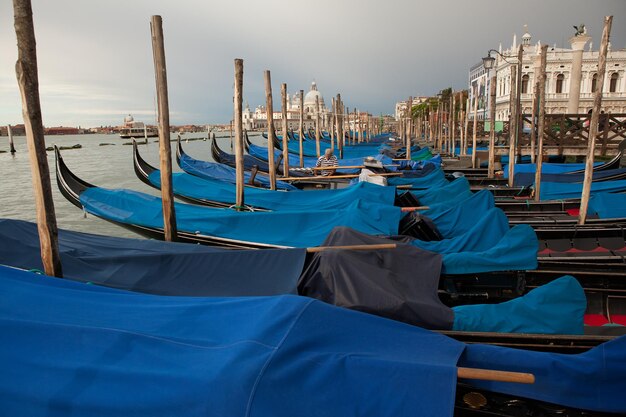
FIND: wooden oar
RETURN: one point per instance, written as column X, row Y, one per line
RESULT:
column 491, row 375
column 352, row 247
column 320, row 177
column 406, row 209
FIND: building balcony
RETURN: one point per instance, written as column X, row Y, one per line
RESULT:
column 557, row 96
column 605, row 95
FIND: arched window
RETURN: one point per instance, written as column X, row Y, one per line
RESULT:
column 559, row 83
column 594, row 83
column 525, row 79
column 613, row 82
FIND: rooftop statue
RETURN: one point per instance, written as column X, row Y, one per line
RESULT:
column 581, row 30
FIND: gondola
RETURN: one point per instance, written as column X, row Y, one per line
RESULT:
column 270, row 351
column 216, row 193
column 613, row 163
column 215, row 170
column 250, row 161
column 72, row 187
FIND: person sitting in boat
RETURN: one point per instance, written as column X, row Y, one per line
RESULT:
column 327, row 160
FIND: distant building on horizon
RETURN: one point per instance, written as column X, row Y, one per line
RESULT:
column 563, row 67
column 257, row 119
column 402, row 105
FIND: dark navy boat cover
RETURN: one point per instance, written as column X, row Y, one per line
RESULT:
column 156, row 267
column 399, row 284
column 74, row 349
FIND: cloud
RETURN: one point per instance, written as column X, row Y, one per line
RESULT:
column 95, row 58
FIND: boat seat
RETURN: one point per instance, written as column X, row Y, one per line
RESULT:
column 585, row 244
column 559, row 245
column 612, row 243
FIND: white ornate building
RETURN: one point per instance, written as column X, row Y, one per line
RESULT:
column 564, row 67
column 402, row 105
column 257, row 119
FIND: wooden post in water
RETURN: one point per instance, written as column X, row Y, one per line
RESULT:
column 465, row 126
column 409, row 119
column 492, row 131
column 11, row 144
column 533, row 125
column 283, row 97
column 317, row 126
column 340, row 135
column 541, row 120
column 453, row 124
column 513, row 123
column 595, row 117
column 239, row 167
column 301, row 129
column 358, row 121
column 165, row 150
column 333, row 127
column 28, row 80
column 475, row 124
column 269, row 110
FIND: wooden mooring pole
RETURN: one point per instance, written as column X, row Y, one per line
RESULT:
column 513, row 123
column 318, row 133
column 541, row 120
column 239, row 167
column 283, row 98
column 301, row 129
column 11, row 144
column 270, row 129
column 533, row 126
column 28, row 80
column 409, row 119
column 340, row 135
column 595, row 117
column 475, row 129
column 492, row 131
column 165, row 151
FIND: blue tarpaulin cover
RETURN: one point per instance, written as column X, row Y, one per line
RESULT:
column 563, row 191
column 486, row 232
column 435, row 178
column 288, row 228
column 593, row 380
column 214, row 190
column 517, row 250
column 449, row 194
column 526, row 179
column 294, row 160
column 213, row 170
column 460, row 218
column 75, row 349
column 349, row 151
column 109, row 352
column 608, row 205
column 546, row 168
column 554, row 308
column 156, row 267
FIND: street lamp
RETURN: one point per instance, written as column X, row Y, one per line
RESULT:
column 488, row 64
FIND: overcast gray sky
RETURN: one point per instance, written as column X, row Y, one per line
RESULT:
column 95, row 57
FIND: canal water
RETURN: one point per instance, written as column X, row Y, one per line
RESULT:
column 108, row 166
